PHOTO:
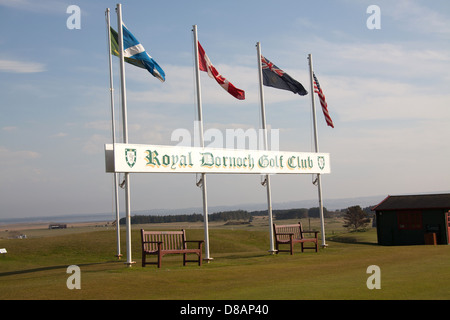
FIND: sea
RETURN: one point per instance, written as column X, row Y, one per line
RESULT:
column 330, row 204
column 61, row 219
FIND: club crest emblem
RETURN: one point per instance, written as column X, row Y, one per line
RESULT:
column 321, row 162
column 130, row 157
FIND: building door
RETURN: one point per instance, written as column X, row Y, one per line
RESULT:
column 447, row 219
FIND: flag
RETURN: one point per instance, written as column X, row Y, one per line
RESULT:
column 323, row 103
column 277, row 78
column 206, row 65
column 135, row 54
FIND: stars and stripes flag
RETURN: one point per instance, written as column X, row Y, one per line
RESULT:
column 206, row 65
column 323, row 103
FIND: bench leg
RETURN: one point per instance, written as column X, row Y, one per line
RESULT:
column 291, row 236
column 159, row 258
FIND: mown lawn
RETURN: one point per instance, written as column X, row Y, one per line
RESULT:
column 242, row 269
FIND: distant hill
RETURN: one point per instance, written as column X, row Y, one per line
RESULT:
column 330, row 204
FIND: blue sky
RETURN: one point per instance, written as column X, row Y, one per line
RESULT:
column 387, row 92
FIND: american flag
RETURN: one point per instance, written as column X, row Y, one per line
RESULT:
column 323, row 103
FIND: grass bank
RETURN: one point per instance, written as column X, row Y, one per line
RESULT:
column 35, row 268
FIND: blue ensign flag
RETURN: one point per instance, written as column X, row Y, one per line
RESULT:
column 277, row 78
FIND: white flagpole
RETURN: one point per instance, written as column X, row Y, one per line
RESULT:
column 263, row 118
column 125, row 131
column 202, row 142
column 113, row 129
column 316, row 141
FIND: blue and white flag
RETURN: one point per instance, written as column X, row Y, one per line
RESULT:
column 134, row 53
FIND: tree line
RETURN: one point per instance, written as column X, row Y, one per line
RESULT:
column 280, row 214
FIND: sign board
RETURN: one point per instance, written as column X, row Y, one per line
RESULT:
column 3, row 250
column 174, row 159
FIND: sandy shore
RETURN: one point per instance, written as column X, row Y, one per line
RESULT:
column 44, row 225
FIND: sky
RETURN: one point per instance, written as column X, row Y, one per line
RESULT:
column 387, row 91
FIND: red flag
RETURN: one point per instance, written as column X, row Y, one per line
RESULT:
column 323, row 103
column 206, row 65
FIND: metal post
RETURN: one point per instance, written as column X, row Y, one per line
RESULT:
column 113, row 129
column 202, row 142
column 125, row 132
column 263, row 119
column 316, row 142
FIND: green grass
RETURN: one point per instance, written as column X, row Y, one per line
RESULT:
column 242, row 268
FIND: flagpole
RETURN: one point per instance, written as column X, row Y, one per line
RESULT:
column 263, row 120
column 113, row 129
column 316, row 142
column 202, row 142
column 125, row 131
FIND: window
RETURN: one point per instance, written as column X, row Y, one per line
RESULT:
column 409, row 220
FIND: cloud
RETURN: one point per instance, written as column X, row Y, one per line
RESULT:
column 16, row 66
column 95, row 144
column 60, row 135
column 180, row 87
column 101, row 125
column 418, row 18
column 360, row 98
column 393, row 60
column 9, row 128
column 13, row 157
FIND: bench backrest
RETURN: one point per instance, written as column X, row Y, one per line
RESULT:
column 172, row 240
column 296, row 229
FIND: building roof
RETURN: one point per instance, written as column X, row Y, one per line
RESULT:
column 423, row 201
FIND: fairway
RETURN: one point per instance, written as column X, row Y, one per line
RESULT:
column 242, row 269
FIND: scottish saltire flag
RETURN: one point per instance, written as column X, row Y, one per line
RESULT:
column 323, row 103
column 206, row 65
column 135, row 54
column 277, row 78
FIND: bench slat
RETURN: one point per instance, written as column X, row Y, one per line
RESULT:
column 161, row 243
column 291, row 234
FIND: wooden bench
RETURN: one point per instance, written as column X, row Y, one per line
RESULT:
column 291, row 234
column 160, row 243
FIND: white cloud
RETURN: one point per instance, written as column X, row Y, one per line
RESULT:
column 360, row 98
column 60, row 135
column 13, row 157
column 101, row 125
column 9, row 128
column 180, row 88
column 95, row 144
column 418, row 18
column 16, row 66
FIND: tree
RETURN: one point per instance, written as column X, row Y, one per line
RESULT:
column 355, row 218
column 315, row 212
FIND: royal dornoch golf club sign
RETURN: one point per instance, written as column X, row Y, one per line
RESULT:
column 157, row 158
